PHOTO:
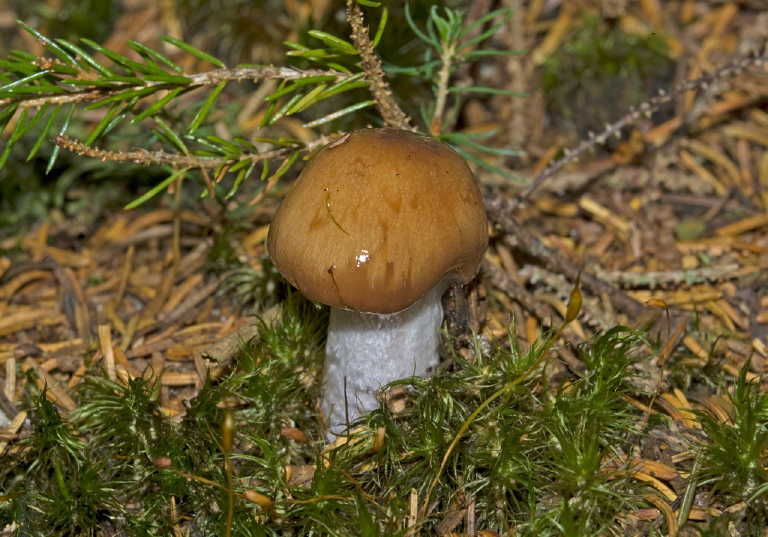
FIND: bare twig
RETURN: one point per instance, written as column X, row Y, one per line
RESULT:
column 500, row 212
column 390, row 111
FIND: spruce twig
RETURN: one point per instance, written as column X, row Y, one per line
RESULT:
column 390, row 111
column 179, row 160
column 208, row 78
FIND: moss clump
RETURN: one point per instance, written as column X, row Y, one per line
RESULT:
column 602, row 71
column 537, row 460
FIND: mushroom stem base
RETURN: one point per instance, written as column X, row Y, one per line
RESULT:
column 372, row 350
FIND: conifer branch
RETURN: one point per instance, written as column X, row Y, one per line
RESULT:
column 179, row 160
column 388, row 107
column 208, row 78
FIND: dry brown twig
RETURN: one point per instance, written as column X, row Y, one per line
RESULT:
column 500, row 212
column 388, row 107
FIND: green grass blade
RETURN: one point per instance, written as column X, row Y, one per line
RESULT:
column 296, row 46
column 332, row 91
column 172, row 136
column 124, row 96
column 64, row 69
column 476, row 54
column 133, row 80
column 103, row 124
column 340, row 113
column 246, row 144
column 461, row 139
column 225, row 145
column 205, row 142
column 368, row 526
column 44, row 134
column 120, row 116
column 155, row 108
column 347, row 84
column 14, row 137
column 38, row 90
column 7, row 114
column 280, row 142
column 268, row 115
column 283, row 109
column 34, row 120
column 334, row 42
column 122, row 60
column 382, row 25
column 489, row 91
column 237, row 166
column 490, row 167
column 21, row 82
column 203, row 112
column 24, row 69
column 87, row 58
column 88, row 83
column 308, row 100
column 490, row 31
column 186, row 47
column 155, row 190
column 316, row 54
column 145, row 51
column 299, row 83
column 242, row 175
column 336, row 90
column 50, row 45
column 22, row 56
column 62, row 131
column 416, row 30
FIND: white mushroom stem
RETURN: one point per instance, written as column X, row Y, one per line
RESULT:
column 372, row 350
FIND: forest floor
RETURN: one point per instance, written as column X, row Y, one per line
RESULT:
column 667, row 227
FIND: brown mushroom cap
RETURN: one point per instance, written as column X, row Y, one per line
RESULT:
column 376, row 219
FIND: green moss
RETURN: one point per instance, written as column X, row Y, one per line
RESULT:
column 601, row 71
column 534, row 459
column 734, row 458
column 539, row 460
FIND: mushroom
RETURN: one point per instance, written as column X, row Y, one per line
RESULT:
column 378, row 225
